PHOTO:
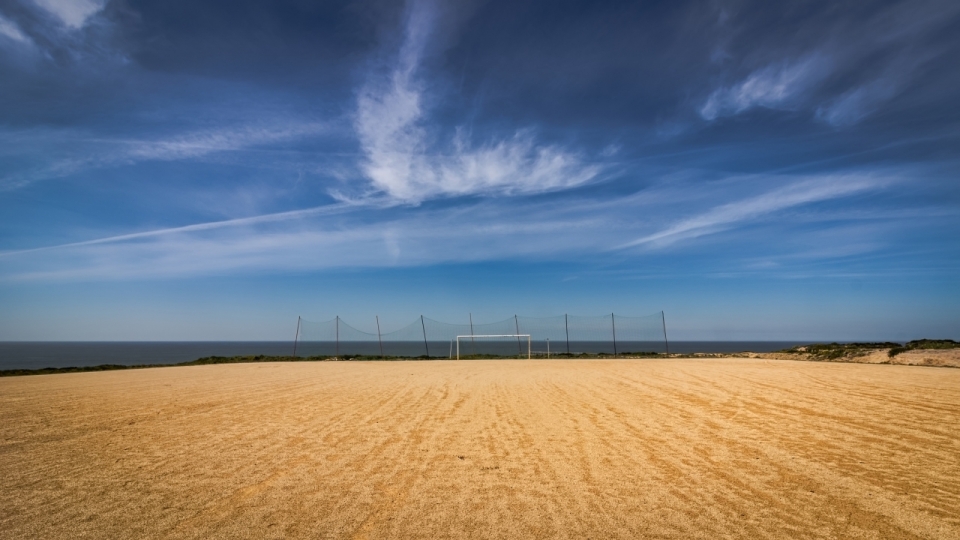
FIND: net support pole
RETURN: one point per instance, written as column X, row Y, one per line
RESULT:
column 379, row 339
column 425, row 346
column 613, row 323
column 528, row 346
column 663, row 318
column 473, row 345
column 516, row 322
column 338, row 337
column 566, row 327
column 296, row 337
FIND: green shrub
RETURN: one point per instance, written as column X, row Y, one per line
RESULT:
column 834, row 351
column 933, row 344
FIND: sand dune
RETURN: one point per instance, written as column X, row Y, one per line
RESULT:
column 726, row 448
column 918, row 357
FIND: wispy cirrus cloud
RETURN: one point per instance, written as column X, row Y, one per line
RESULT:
column 200, row 143
column 728, row 215
column 402, row 161
column 776, row 86
column 252, row 221
column 843, row 70
column 98, row 152
column 323, row 238
column 397, row 234
column 72, row 13
column 856, row 104
column 12, row 31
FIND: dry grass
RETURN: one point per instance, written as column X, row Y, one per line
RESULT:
column 736, row 448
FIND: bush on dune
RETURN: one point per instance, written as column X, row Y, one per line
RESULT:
column 925, row 344
column 933, row 344
column 833, row 351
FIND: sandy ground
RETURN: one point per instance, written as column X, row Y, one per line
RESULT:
column 725, row 448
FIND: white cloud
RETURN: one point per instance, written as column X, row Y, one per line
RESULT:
column 775, row 86
column 320, row 211
column 725, row 216
column 190, row 145
column 12, row 31
column 402, row 162
column 856, row 104
column 851, row 72
column 317, row 239
column 73, row 13
column 384, row 232
column 200, row 143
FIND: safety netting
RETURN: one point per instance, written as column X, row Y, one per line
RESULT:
column 562, row 335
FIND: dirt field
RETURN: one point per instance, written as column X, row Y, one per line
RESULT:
column 727, row 448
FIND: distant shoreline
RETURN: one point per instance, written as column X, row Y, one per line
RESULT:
column 63, row 354
column 940, row 357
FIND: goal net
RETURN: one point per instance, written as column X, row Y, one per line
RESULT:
column 492, row 344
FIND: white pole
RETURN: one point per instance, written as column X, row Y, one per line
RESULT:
column 458, row 347
column 528, row 347
column 548, row 348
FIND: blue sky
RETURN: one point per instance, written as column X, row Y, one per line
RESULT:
column 212, row 170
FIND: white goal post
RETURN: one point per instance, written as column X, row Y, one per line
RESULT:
column 518, row 336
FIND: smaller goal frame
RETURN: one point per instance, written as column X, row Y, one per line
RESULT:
column 529, row 348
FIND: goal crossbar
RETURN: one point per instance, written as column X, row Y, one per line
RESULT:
column 494, row 336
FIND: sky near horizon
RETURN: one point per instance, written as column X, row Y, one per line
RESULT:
column 211, row 170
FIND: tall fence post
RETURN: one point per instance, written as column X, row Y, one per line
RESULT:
column 666, row 343
column 379, row 339
column 517, row 324
column 338, row 337
column 425, row 346
column 296, row 337
column 566, row 326
column 614, row 324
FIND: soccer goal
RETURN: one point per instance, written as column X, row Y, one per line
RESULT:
column 473, row 338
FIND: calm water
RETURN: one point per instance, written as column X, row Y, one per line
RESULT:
column 36, row 355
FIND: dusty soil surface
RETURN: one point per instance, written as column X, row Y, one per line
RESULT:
column 717, row 448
